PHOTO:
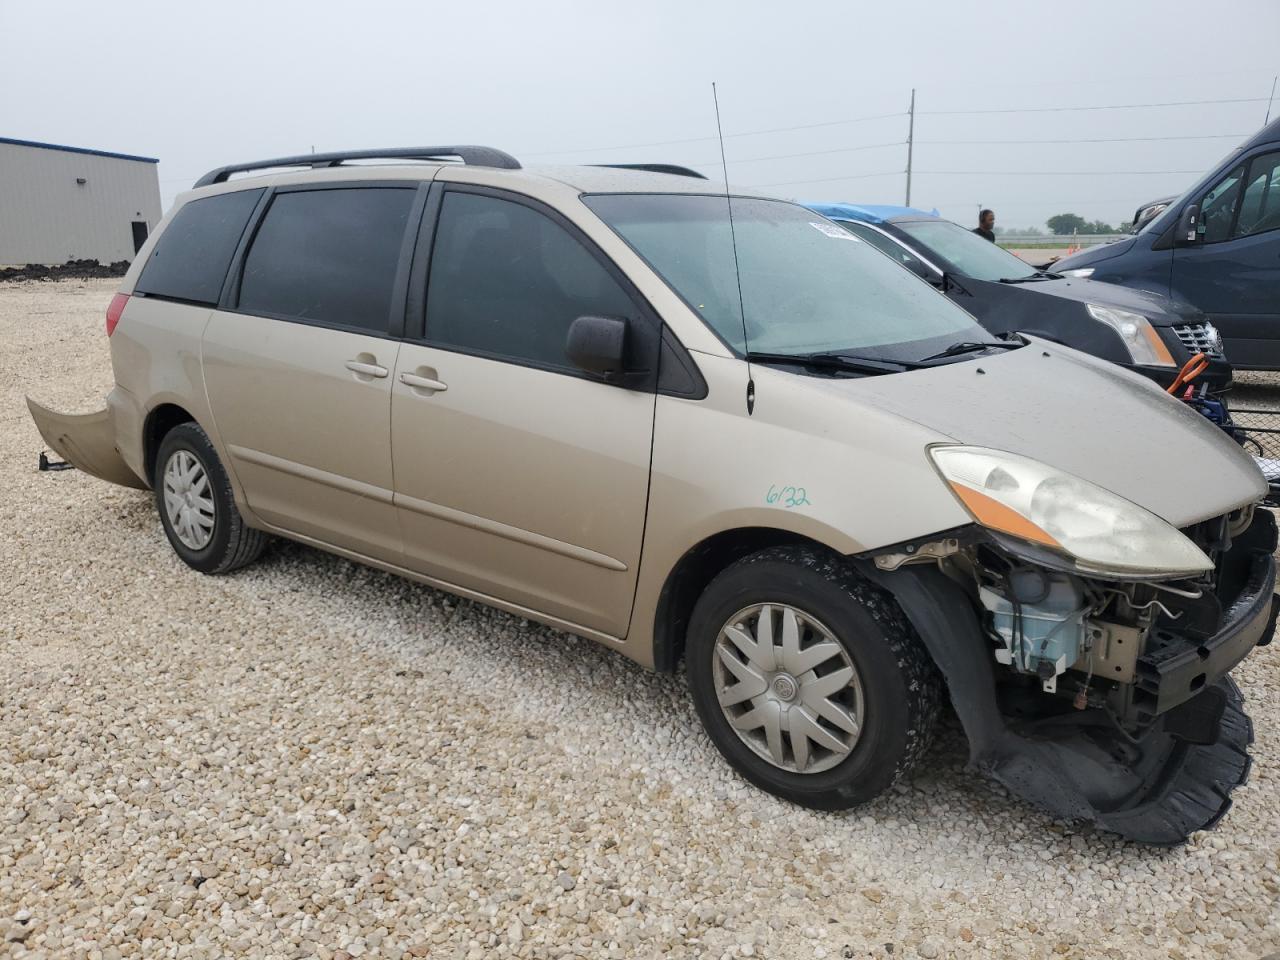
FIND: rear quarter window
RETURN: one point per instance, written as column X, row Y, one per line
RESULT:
column 328, row 256
column 190, row 259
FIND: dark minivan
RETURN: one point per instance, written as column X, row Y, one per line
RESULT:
column 1217, row 246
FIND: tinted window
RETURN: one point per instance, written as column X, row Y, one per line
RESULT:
column 190, row 259
column 1218, row 208
column 508, row 281
column 1260, row 208
column 328, row 256
column 965, row 250
column 885, row 245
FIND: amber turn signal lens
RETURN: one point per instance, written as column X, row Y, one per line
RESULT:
column 996, row 516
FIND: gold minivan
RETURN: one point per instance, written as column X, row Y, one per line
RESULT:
column 710, row 429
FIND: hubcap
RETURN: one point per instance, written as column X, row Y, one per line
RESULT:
column 188, row 501
column 788, row 688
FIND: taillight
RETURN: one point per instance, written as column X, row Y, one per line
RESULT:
column 115, row 310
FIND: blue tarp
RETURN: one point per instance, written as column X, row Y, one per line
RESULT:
column 866, row 212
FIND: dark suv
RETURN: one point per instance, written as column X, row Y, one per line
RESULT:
column 1147, row 332
column 1217, row 246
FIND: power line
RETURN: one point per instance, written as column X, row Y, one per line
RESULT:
column 1111, row 79
column 935, row 113
column 727, row 136
column 811, row 153
column 1109, row 106
column 856, row 176
column 1058, row 173
column 1208, row 136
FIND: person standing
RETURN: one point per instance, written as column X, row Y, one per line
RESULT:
column 986, row 225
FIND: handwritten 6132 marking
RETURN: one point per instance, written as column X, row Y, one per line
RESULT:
column 787, row 496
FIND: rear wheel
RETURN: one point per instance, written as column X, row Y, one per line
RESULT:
column 808, row 679
column 197, row 507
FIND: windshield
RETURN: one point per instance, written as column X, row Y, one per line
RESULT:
column 968, row 253
column 807, row 285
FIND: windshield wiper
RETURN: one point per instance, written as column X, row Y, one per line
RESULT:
column 970, row 346
column 834, row 361
column 1031, row 278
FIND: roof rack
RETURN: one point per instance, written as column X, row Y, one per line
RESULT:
column 474, row 156
column 670, row 168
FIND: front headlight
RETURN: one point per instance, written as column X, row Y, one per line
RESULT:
column 1084, row 273
column 1145, row 345
column 1101, row 532
column 1215, row 339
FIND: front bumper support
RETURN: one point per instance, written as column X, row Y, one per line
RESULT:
column 1174, row 780
column 1171, row 670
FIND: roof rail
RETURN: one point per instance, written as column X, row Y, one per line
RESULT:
column 474, row 156
column 670, row 168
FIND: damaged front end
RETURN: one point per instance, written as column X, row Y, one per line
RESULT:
column 1106, row 699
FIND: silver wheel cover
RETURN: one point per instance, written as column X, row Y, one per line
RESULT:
column 788, row 688
column 188, row 500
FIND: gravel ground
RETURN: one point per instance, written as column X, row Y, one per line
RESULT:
column 310, row 758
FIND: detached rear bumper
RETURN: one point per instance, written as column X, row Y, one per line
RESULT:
column 86, row 440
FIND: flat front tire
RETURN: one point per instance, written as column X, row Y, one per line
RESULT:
column 808, row 679
column 197, row 507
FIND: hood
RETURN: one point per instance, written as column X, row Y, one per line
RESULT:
column 1091, row 255
column 1084, row 416
column 1162, row 311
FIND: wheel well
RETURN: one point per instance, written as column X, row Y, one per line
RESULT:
column 159, row 422
column 691, row 575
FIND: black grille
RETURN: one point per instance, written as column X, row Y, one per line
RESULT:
column 1199, row 338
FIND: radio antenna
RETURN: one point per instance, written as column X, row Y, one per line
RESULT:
column 733, row 240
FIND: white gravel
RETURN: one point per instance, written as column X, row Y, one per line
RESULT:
column 311, row 758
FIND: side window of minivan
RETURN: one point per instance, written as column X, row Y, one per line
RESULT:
column 190, row 259
column 506, row 281
column 1260, row 206
column 328, row 257
column 1218, row 208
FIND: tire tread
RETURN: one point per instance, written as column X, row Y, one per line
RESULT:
column 244, row 544
column 923, row 684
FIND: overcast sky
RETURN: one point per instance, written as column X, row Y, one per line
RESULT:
column 199, row 85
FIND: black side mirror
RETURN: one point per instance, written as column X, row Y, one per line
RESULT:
column 598, row 345
column 1189, row 226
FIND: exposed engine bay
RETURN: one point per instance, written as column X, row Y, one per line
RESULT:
column 1106, row 699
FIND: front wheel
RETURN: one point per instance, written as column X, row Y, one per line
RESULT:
column 197, row 507
column 808, row 679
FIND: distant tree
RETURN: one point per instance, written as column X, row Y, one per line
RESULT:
column 1066, row 223
column 1097, row 226
column 1125, row 227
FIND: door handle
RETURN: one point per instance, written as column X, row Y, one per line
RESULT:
column 423, row 383
column 366, row 369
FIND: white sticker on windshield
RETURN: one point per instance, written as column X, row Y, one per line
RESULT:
column 832, row 231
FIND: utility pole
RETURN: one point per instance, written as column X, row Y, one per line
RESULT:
column 1273, row 96
column 911, row 135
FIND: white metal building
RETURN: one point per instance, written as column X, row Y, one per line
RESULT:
column 69, row 203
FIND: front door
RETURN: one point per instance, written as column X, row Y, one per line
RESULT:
column 299, row 368
column 1232, row 271
column 517, row 475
